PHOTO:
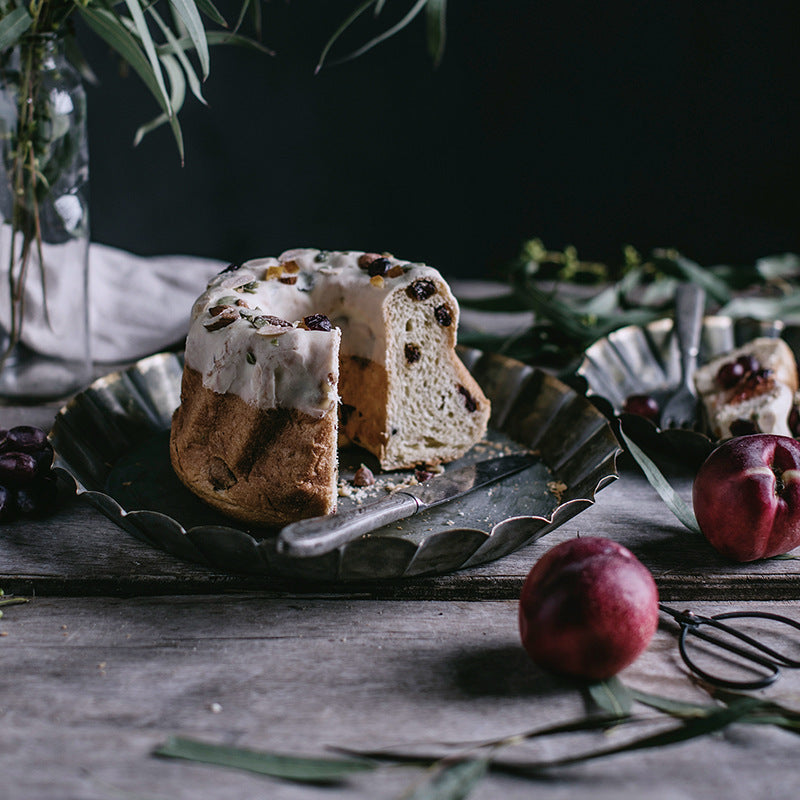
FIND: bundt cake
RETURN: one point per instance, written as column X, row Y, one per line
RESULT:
column 749, row 390
column 285, row 355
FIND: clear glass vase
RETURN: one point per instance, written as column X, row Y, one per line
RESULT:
column 44, row 240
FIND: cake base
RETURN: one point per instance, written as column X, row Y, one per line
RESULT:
column 270, row 467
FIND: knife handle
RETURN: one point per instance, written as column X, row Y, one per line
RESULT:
column 319, row 535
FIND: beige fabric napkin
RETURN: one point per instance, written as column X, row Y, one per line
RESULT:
column 140, row 305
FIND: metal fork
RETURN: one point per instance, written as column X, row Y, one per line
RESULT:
column 680, row 411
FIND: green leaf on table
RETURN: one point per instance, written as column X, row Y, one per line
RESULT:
column 611, row 696
column 288, row 767
column 13, row 26
column 656, row 479
column 782, row 267
column 715, row 287
column 675, row 708
column 693, row 728
column 449, row 782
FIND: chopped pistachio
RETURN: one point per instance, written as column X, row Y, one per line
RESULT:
column 251, row 357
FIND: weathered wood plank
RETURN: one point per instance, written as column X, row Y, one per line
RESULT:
column 80, row 552
column 91, row 686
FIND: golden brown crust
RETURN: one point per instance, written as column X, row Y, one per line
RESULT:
column 269, row 467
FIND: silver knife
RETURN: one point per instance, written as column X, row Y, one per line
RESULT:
column 318, row 535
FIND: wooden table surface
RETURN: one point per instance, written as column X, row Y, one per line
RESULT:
column 122, row 646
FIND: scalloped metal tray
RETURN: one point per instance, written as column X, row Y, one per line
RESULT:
column 645, row 360
column 112, row 441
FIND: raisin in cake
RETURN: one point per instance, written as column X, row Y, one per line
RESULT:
column 286, row 354
column 750, row 389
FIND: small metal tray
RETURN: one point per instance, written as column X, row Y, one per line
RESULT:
column 112, row 442
column 645, row 360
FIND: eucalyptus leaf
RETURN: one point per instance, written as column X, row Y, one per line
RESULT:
column 656, row 478
column 217, row 38
column 783, row 266
column 612, row 696
column 111, row 29
column 13, row 26
column 211, row 11
column 690, row 729
column 188, row 13
column 137, row 15
column 451, row 781
column 694, row 273
column 436, row 26
column 354, row 15
column 177, row 95
column 180, row 54
column 675, row 708
column 288, row 767
column 764, row 308
column 382, row 37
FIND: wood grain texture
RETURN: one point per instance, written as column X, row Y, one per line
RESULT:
column 91, row 686
column 79, row 552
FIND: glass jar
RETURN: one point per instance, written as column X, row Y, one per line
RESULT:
column 44, row 240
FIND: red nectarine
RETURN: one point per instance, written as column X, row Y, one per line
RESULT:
column 588, row 608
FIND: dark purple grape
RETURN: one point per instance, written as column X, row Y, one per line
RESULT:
column 25, row 439
column 794, row 422
column 3, row 438
column 44, row 459
column 7, row 505
column 728, row 375
column 642, row 404
column 743, row 427
column 39, row 498
column 749, row 363
column 17, row 468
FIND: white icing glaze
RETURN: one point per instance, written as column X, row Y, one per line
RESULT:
column 272, row 366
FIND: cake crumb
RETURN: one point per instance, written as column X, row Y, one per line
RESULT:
column 557, row 489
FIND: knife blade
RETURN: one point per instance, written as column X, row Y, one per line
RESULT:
column 319, row 535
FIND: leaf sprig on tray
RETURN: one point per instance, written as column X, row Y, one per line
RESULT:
column 575, row 303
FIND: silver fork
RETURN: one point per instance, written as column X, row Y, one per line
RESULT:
column 680, row 411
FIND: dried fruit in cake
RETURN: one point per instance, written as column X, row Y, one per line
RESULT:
column 749, row 389
column 269, row 362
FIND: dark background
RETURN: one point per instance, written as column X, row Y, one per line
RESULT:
column 593, row 124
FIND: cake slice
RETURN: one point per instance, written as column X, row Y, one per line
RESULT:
column 750, row 389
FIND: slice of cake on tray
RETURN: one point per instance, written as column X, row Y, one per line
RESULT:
column 750, row 389
column 277, row 347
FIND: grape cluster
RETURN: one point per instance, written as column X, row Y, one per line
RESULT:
column 28, row 486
